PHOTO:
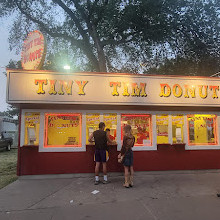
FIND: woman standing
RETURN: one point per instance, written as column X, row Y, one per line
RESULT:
column 127, row 154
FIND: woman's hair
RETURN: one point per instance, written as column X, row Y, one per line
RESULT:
column 127, row 129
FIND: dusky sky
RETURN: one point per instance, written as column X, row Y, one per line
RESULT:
column 5, row 56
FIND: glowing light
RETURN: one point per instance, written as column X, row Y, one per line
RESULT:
column 146, row 117
column 66, row 67
column 60, row 115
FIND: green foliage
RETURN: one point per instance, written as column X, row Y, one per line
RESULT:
column 188, row 66
column 8, row 167
column 123, row 35
column 12, row 112
column 14, row 64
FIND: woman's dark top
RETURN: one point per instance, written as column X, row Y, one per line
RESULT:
column 126, row 150
column 100, row 138
column 128, row 143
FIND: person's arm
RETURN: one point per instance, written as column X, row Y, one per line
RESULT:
column 123, row 148
column 91, row 138
column 109, row 140
column 133, row 141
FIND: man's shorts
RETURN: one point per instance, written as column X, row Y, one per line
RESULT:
column 101, row 155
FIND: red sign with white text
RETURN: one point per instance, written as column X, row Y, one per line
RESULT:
column 33, row 51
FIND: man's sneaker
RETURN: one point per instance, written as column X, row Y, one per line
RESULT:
column 105, row 182
column 97, row 182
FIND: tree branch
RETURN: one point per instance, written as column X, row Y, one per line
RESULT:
column 73, row 17
column 115, row 42
column 83, row 14
column 47, row 29
column 82, row 44
column 93, row 33
column 100, row 16
column 87, row 46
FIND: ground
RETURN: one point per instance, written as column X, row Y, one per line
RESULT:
column 167, row 195
column 8, row 163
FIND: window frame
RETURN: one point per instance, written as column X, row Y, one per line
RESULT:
column 168, row 127
column 46, row 130
column 215, row 131
column 88, row 113
column 139, row 146
column 183, row 129
column 119, row 144
column 105, row 113
column 25, row 129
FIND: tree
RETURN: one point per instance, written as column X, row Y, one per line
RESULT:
column 188, row 66
column 118, row 35
column 12, row 111
column 14, row 64
column 197, row 42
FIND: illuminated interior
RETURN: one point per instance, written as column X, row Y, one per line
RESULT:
column 32, row 127
column 110, row 121
column 65, row 130
column 177, row 128
column 162, row 129
column 202, row 129
column 92, row 124
column 141, row 128
column 62, row 130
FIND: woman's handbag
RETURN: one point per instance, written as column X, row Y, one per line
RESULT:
column 120, row 158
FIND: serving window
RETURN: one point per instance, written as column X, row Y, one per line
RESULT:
column 202, row 129
column 177, row 129
column 141, row 128
column 62, row 130
column 162, row 122
column 32, row 127
column 92, row 124
column 110, row 121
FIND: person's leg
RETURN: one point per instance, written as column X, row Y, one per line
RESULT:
column 132, row 170
column 104, row 158
column 97, row 166
column 131, row 176
column 126, row 183
column 104, row 167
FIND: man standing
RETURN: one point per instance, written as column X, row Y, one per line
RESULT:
column 101, row 153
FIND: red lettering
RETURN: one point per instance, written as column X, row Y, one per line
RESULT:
column 35, row 55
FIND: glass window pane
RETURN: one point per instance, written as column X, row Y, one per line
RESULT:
column 92, row 124
column 141, row 128
column 177, row 128
column 32, row 127
column 162, row 129
column 62, row 130
column 202, row 129
column 110, row 121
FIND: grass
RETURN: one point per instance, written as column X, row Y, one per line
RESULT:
column 8, row 163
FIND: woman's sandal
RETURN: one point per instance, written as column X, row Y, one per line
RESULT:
column 126, row 185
